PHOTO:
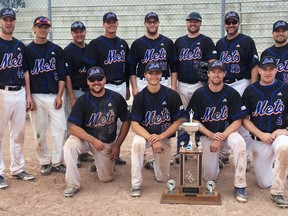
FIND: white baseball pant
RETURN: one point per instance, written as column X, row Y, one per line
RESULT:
column 73, row 148
column 44, row 114
column 237, row 145
column 186, row 91
column 13, row 114
column 161, row 164
column 121, row 89
column 264, row 156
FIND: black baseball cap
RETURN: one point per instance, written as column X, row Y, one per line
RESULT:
column 194, row 16
column 280, row 24
column 77, row 25
column 216, row 64
column 41, row 20
column 95, row 72
column 7, row 12
column 151, row 15
column 267, row 61
column 153, row 66
column 232, row 15
column 109, row 16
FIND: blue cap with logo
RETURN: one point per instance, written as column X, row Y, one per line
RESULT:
column 153, row 66
column 95, row 72
column 7, row 12
column 216, row 64
column 280, row 24
column 267, row 61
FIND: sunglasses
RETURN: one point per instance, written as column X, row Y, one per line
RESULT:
column 42, row 21
column 228, row 22
column 76, row 25
column 93, row 79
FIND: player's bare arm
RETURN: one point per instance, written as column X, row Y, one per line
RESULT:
column 83, row 135
column 174, row 77
column 265, row 137
column 58, row 100
column 72, row 98
column 30, row 105
column 139, row 130
column 279, row 132
column 254, row 74
column 135, row 89
column 128, row 95
column 115, row 150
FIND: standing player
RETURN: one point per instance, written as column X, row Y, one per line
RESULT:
column 14, row 98
column 110, row 53
column 280, row 49
column 191, row 49
column 157, row 112
column 219, row 109
column 152, row 47
column 93, row 128
column 267, row 103
column 238, row 52
column 47, row 78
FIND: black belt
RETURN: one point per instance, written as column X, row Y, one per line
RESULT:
column 116, row 82
column 11, row 88
column 229, row 81
column 80, row 89
column 255, row 138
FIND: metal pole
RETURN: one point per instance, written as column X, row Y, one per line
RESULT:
column 222, row 18
column 50, row 17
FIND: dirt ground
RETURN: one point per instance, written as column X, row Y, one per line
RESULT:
column 44, row 195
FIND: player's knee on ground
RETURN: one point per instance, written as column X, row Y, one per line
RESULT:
column 105, row 177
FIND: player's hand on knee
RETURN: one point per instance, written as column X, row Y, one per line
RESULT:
column 114, row 152
column 98, row 145
column 157, row 147
column 215, row 146
column 154, row 138
column 267, row 138
column 219, row 136
column 58, row 102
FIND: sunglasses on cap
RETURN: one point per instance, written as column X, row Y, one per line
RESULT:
column 42, row 21
column 76, row 25
column 93, row 79
column 228, row 22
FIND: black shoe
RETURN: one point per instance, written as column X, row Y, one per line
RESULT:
column 61, row 168
column 279, row 200
column 119, row 161
column 86, row 157
column 149, row 165
column 93, row 168
column 45, row 170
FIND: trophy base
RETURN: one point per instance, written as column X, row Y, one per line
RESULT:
column 191, row 196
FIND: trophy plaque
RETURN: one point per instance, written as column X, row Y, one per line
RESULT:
column 193, row 191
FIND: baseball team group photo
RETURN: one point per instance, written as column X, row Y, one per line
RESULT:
column 183, row 126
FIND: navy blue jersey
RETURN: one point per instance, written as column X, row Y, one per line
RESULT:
column 110, row 55
column 281, row 56
column 75, row 67
column 239, row 56
column 157, row 111
column 46, row 67
column 190, row 51
column 144, row 50
column 216, row 110
column 13, row 63
column 267, row 105
column 98, row 115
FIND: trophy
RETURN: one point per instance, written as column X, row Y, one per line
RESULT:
column 192, row 192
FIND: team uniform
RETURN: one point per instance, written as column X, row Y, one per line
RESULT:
column 76, row 70
column 155, row 112
column 13, row 101
column 190, row 51
column 267, row 107
column 216, row 111
column 144, row 50
column 46, row 68
column 281, row 55
column 110, row 55
column 98, row 117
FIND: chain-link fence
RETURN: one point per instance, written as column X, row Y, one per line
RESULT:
column 257, row 17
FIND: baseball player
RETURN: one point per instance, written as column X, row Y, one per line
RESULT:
column 93, row 128
column 279, row 49
column 267, row 103
column 219, row 109
column 15, row 96
column 191, row 49
column 152, row 47
column 238, row 52
column 47, row 79
column 110, row 53
column 157, row 112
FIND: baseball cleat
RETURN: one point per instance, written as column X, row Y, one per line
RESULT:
column 135, row 191
column 279, row 200
column 70, row 191
column 45, row 170
column 241, row 194
column 3, row 184
column 24, row 176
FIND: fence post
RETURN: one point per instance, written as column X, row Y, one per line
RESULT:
column 223, row 8
column 50, row 17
